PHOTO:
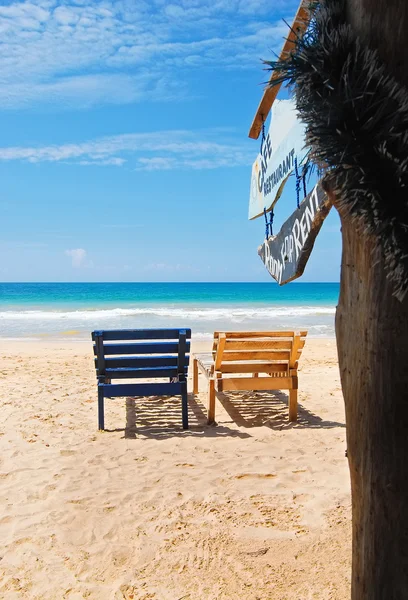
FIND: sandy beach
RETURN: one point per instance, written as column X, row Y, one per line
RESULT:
column 254, row 508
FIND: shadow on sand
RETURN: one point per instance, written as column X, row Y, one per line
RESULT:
column 160, row 418
column 269, row 409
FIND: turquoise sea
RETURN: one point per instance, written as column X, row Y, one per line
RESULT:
column 38, row 310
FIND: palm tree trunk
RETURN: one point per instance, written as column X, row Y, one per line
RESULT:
column 372, row 340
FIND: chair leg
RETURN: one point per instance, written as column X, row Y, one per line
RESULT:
column 195, row 377
column 101, row 416
column 211, row 401
column 184, row 405
column 293, row 405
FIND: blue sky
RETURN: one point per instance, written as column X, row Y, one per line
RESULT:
column 124, row 150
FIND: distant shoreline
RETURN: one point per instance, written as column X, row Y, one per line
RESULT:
column 73, row 310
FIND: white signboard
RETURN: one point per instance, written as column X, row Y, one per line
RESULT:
column 284, row 143
column 285, row 255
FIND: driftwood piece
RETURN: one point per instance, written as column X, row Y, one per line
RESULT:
column 285, row 255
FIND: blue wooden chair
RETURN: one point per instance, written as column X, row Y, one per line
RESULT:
column 150, row 357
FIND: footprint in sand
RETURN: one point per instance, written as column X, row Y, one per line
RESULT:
column 255, row 476
column 5, row 520
column 300, row 498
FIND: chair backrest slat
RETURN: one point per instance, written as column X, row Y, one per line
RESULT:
column 261, row 344
column 258, row 334
column 142, row 348
column 140, row 362
column 141, row 334
column 147, row 372
column 149, row 352
column 280, row 348
column 269, row 355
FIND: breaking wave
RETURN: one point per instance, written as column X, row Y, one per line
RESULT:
column 194, row 314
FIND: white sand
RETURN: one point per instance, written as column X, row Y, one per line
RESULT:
column 254, row 508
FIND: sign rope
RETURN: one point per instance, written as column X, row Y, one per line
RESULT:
column 263, row 134
column 268, row 224
column 297, row 183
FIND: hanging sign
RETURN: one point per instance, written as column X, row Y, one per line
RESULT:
column 275, row 162
column 285, row 255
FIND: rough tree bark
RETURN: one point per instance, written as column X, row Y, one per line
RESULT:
column 372, row 339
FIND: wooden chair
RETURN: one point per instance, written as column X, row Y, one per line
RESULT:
column 272, row 354
column 151, row 357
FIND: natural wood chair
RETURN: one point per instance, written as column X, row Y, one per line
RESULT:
column 270, row 357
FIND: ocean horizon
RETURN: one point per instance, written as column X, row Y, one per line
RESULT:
column 73, row 310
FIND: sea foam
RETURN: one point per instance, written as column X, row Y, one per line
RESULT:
column 196, row 314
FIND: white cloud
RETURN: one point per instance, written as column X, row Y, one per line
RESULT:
column 170, row 267
column 69, row 52
column 157, row 163
column 78, row 256
column 83, row 91
column 153, row 151
column 104, row 162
